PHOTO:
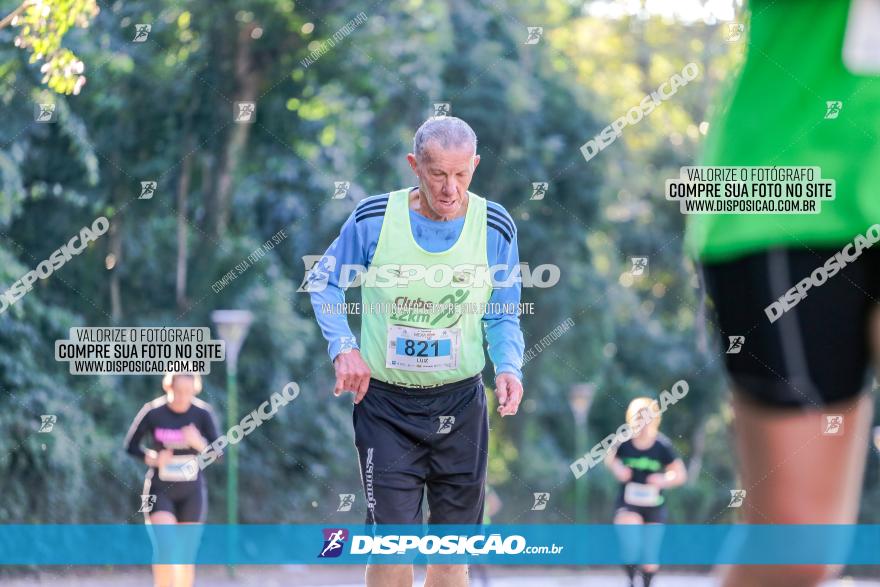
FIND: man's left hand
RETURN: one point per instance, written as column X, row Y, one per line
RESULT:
column 509, row 391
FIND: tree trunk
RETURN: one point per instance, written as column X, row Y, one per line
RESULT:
column 182, row 232
column 247, row 79
column 116, row 251
column 698, row 448
column 115, row 245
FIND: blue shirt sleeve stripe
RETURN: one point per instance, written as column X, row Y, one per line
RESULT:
column 498, row 213
column 503, row 232
column 368, row 201
column 369, row 214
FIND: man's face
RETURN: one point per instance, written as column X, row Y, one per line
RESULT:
column 444, row 176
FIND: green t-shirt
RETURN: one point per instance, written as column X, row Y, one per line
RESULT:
column 776, row 116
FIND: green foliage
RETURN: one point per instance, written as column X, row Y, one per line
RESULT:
column 43, row 25
column 161, row 110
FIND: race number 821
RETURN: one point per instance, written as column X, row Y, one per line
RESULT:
column 424, row 348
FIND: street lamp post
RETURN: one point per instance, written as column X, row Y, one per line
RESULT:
column 232, row 326
column 579, row 399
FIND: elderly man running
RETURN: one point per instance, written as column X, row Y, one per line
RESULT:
column 420, row 417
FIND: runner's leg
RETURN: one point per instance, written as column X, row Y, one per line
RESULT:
column 652, row 549
column 795, row 475
column 163, row 575
column 457, row 482
column 447, row 576
column 630, row 551
column 390, row 575
column 809, row 362
column 192, row 511
column 391, row 452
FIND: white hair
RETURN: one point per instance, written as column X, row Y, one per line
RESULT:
column 448, row 132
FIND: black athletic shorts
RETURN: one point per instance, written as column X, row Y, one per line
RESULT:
column 817, row 351
column 650, row 515
column 187, row 500
column 412, row 441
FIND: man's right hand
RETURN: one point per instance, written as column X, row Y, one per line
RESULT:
column 352, row 374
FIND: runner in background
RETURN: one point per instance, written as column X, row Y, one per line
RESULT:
column 645, row 465
column 176, row 426
column 807, row 95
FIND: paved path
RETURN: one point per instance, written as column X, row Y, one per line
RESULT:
column 344, row 576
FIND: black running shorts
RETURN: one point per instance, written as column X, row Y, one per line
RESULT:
column 416, row 441
column 817, row 351
column 187, row 500
column 650, row 514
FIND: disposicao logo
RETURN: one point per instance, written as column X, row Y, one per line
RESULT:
column 334, row 540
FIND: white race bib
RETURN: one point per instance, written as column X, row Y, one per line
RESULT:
column 861, row 42
column 180, row 468
column 422, row 349
column 639, row 494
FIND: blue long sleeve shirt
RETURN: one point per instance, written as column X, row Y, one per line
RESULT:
column 357, row 243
